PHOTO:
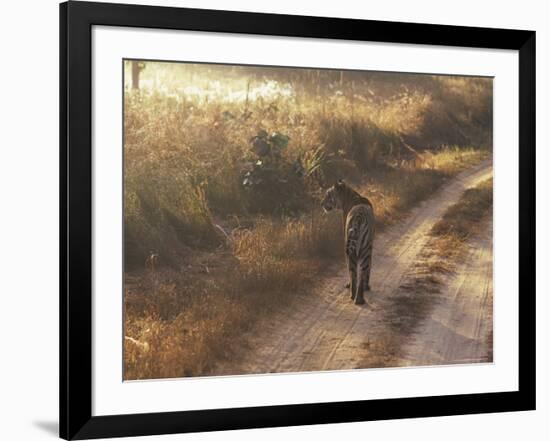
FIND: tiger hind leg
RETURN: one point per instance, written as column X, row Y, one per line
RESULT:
column 359, row 286
column 359, row 299
column 352, row 279
column 364, row 279
column 365, row 269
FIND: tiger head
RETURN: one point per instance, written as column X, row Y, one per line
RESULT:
column 333, row 197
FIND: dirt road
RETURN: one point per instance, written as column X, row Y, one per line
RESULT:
column 460, row 328
column 326, row 331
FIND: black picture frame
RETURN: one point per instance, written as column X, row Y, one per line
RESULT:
column 76, row 21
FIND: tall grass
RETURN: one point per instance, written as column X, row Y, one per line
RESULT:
column 231, row 253
column 186, row 154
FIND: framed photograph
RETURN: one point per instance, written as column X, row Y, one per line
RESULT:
column 273, row 220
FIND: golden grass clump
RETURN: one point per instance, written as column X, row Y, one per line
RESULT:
column 461, row 219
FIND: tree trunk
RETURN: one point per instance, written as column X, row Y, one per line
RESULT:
column 135, row 74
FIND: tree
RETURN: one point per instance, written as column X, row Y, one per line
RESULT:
column 137, row 67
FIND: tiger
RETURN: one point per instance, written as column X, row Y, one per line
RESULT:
column 358, row 216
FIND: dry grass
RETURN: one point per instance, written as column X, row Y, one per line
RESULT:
column 394, row 190
column 190, row 321
column 231, row 254
column 461, row 219
column 186, row 153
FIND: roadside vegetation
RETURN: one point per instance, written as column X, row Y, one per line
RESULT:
column 224, row 170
